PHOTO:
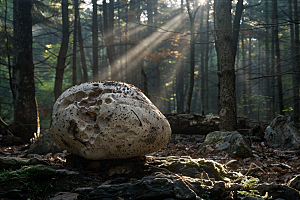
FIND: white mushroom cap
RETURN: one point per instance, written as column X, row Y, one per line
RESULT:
column 108, row 120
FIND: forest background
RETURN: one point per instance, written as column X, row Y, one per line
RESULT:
column 170, row 49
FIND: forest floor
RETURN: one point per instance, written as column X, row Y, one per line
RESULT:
column 269, row 165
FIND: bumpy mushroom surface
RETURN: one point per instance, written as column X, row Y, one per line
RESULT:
column 108, row 120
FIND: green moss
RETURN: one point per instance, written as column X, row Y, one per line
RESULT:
column 172, row 166
column 36, row 172
column 254, row 193
column 5, row 175
column 38, row 180
column 249, row 184
column 213, row 137
column 194, row 164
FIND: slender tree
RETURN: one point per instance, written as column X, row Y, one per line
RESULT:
column 80, row 41
column 26, row 121
column 278, row 61
column 111, row 47
column 192, row 57
column 296, row 75
column 74, row 77
column 202, row 66
column 268, row 71
column 207, row 57
column 250, row 76
column 95, row 41
column 245, row 107
column 60, row 67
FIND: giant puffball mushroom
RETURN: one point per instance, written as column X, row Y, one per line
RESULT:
column 108, row 120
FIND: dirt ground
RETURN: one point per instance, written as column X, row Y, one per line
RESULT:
column 267, row 164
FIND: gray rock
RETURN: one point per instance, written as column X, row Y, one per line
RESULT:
column 43, row 145
column 158, row 188
column 182, row 191
column 231, row 142
column 278, row 191
column 16, row 163
column 11, row 194
column 282, row 135
column 181, row 165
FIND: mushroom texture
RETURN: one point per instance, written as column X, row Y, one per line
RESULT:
column 108, row 120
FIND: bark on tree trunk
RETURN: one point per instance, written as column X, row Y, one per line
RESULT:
column 144, row 78
column 268, row 85
column 203, row 106
column 225, row 50
column 272, row 88
column 207, row 58
column 180, row 102
column 203, row 124
column 278, row 61
column 111, row 47
column 192, row 58
column 80, row 41
column 180, row 81
column 60, row 67
column 245, row 107
column 296, row 76
column 95, row 42
column 249, row 78
column 236, row 24
column 74, row 43
column 26, row 121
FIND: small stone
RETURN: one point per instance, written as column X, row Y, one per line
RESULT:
column 282, row 135
column 108, row 120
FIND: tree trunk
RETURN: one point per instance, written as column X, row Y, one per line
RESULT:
column 192, row 58
column 278, row 61
column 207, row 58
column 267, row 80
column 245, row 107
column 202, row 94
column 236, row 24
column 80, row 41
column 126, row 76
column 180, row 102
column 225, row 54
column 296, row 76
column 249, row 78
column 60, row 67
column 120, row 41
column 74, row 43
column 144, row 80
column 111, row 47
column 272, row 80
column 95, row 42
column 26, row 121
column 180, row 82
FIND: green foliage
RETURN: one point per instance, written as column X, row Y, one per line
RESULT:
column 162, row 98
column 5, row 175
column 258, row 104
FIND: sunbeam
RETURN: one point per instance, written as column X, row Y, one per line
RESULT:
column 152, row 41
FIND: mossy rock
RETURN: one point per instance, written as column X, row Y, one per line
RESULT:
column 233, row 143
column 214, row 137
column 39, row 181
column 213, row 169
column 16, row 163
